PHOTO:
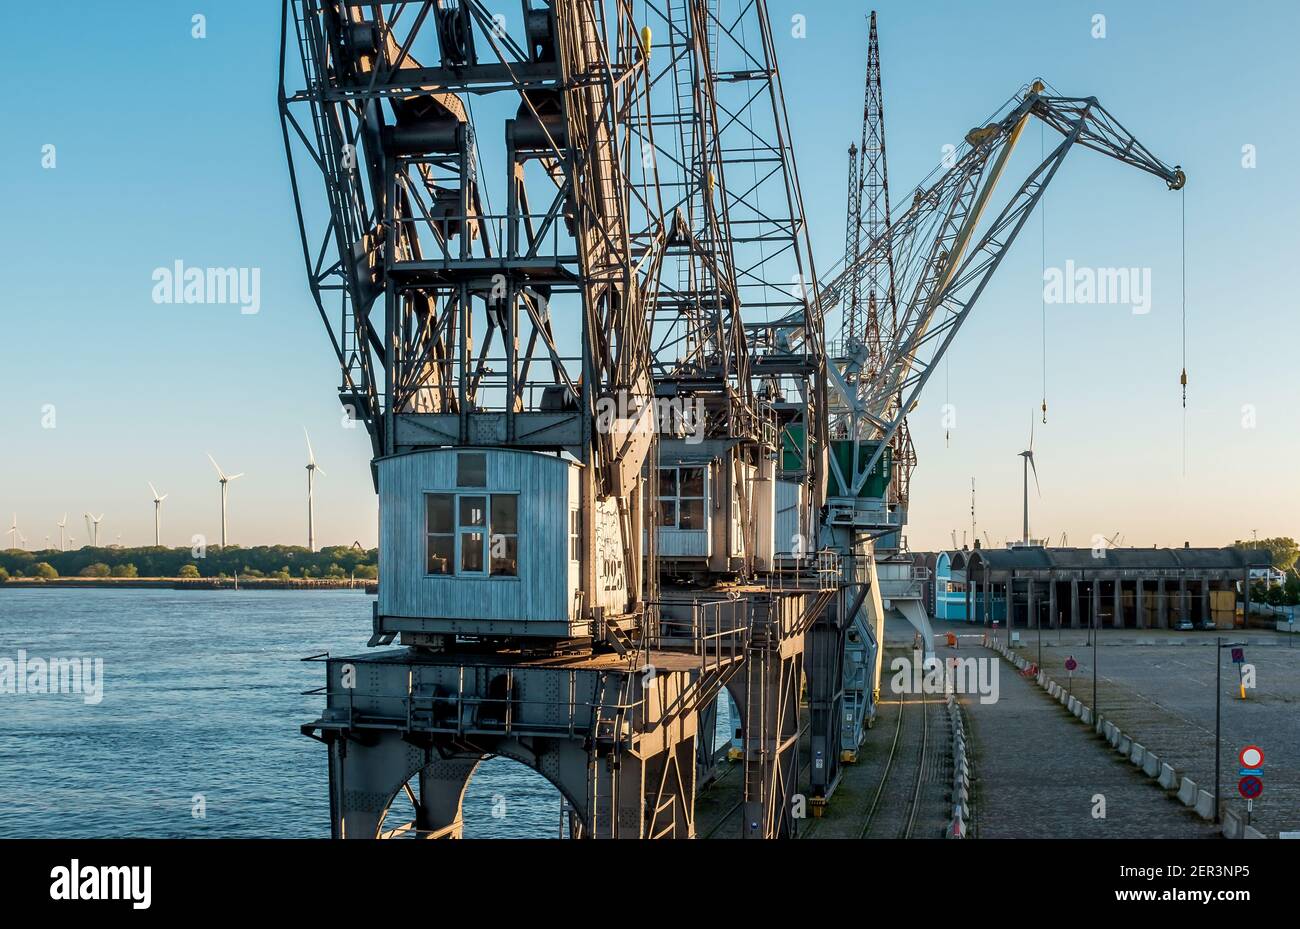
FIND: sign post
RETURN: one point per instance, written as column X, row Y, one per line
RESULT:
column 1070, row 665
column 1250, row 787
column 1219, row 646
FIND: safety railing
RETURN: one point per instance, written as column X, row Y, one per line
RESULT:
column 710, row 628
column 716, row 632
column 463, row 711
column 551, row 242
column 903, row 584
column 795, row 572
column 491, row 386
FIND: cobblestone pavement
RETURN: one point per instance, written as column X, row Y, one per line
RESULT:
column 1037, row 771
column 1163, row 696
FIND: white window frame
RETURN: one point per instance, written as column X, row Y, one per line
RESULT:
column 458, row 530
column 677, row 498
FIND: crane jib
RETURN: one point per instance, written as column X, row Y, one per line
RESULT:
column 1081, row 121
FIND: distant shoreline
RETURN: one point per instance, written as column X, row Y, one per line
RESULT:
column 194, row 583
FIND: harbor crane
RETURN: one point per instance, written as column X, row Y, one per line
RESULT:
column 507, row 361
column 942, row 255
column 535, row 231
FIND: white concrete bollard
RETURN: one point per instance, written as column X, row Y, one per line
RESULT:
column 1168, row 777
column 957, row 828
column 1205, row 804
column 1137, row 754
column 1151, row 765
column 1187, row 792
column 1124, row 746
column 1233, row 827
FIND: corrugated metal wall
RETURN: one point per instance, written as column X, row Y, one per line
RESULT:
column 542, row 589
column 683, row 543
column 788, row 509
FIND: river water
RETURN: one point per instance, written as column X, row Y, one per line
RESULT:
column 201, row 696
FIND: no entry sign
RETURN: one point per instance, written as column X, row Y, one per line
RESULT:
column 1071, row 664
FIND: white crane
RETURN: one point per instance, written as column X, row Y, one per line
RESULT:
column 946, row 256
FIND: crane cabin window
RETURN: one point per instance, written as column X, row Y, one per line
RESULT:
column 503, row 546
column 681, row 497
column 472, row 534
column 471, row 469
column 440, row 526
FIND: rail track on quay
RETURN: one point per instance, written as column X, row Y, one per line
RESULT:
column 900, row 794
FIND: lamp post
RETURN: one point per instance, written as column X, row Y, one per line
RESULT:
column 1218, row 716
column 1096, row 628
column 1038, row 623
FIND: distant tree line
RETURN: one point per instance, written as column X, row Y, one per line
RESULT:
column 1283, row 552
column 279, row 561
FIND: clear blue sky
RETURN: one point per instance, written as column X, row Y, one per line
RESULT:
column 169, row 148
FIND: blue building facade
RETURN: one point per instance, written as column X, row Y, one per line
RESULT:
column 950, row 591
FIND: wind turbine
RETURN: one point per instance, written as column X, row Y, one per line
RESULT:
column 157, row 514
column 13, row 532
column 62, row 525
column 1028, row 455
column 94, row 520
column 312, row 468
column 224, row 481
